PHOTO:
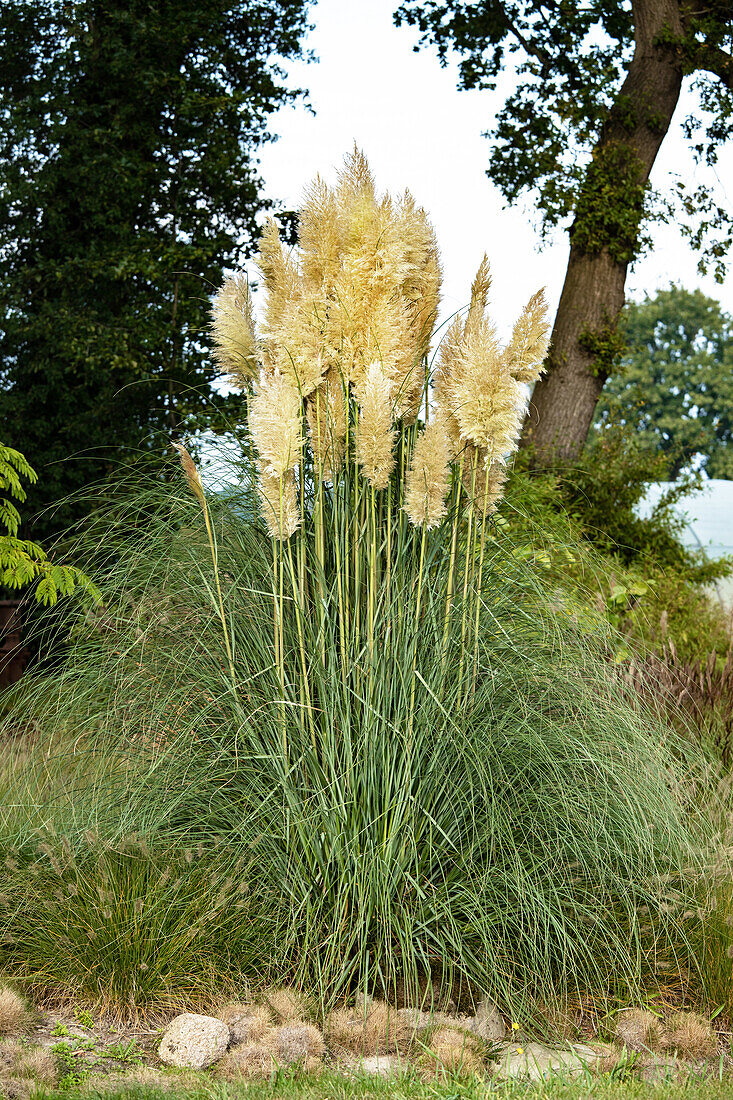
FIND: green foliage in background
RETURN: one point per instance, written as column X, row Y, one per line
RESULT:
column 130, row 132
column 650, row 586
column 674, row 390
column 603, row 492
column 22, row 562
column 549, row 135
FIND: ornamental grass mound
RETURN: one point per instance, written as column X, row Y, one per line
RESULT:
column 338, row 678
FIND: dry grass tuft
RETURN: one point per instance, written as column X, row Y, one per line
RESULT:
column 246, row 1022
column 637, row 1029
column 452, row 1050
column 248, row 1060
column 8, row 1056
column 375, row 1028
column 690, row 1035
column 14, row 1014
column 16, row 1088
column 287, row 1003
column 299, row 1042
column 24, row 1069
column 38, row 1063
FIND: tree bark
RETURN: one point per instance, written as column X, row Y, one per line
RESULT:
column 604, row 239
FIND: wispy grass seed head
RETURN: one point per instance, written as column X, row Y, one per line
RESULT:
column 275, row 424
column 278, row 503
column 191, row 473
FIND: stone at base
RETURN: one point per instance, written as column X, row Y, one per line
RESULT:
column 488, row 1022
column 193, row 1041
column 535, row 1061
column 376, row 1065
column 660, row 1070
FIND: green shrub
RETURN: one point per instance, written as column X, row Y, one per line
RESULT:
column 650, row 587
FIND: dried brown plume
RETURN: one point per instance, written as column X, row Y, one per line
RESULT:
column 192, row 475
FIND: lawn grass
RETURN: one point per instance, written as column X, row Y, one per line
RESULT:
column 333, row 1087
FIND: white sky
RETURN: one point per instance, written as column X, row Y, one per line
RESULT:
column 419, row 132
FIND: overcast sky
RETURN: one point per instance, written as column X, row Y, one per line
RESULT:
column 420, row 132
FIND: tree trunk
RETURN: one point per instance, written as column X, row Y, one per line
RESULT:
column 604, row 238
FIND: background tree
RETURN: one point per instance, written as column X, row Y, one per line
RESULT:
column 675, row 389
column 130, row 130
column 597, row 86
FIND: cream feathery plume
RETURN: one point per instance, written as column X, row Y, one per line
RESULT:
column 275, row 424
column 278, row 502
column 355, row 179
column 326, row 413
column 419, row 291
column 282, row 283
column 320, row 236
column 473, row 382
column 376, row 436
column 448, row 370
column 302, row 351
column 527, row 348
column 487, row 401
column 428, row 478
column 233, row 330
column 370, row 315
column 483, row 480
column 479, row 295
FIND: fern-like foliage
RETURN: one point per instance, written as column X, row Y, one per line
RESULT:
column 13, row 467
column 23, row 562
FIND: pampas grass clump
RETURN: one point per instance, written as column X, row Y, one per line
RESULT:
column 406, row 764
column 341, row 358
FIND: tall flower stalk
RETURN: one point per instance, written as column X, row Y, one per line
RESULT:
column 368, row 458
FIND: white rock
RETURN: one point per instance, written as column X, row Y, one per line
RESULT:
column 376, row 1065
column 488, row 1023
column 536, row 1061
column 193, row 1041
column 654, row 1070
column 418, row 1021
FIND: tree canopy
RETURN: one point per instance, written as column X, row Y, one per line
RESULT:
column 129, row 181
column 596, row 86
column 675, row 385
